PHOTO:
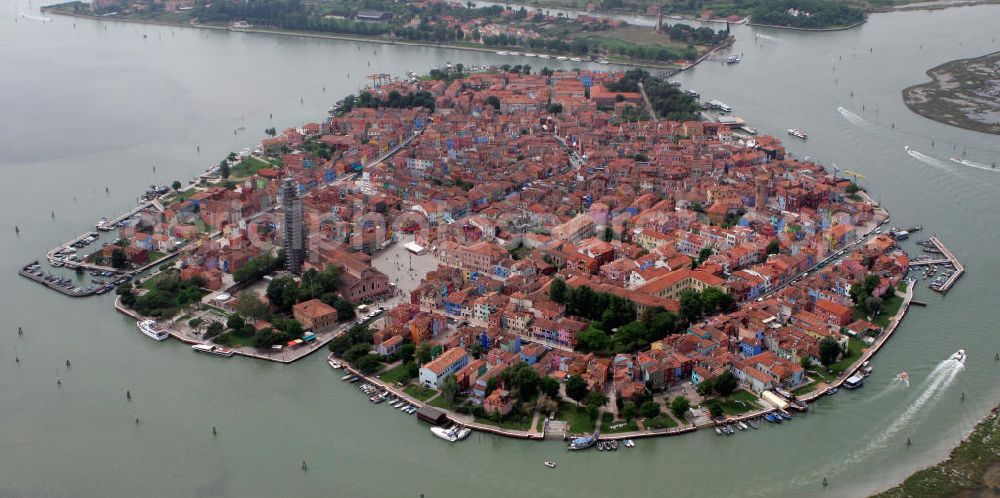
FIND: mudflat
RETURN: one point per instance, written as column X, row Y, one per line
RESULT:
column 963, row 93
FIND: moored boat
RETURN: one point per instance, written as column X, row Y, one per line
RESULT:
column 212, row 349
column 445, row 434
column 149, row 328
column 582, row 443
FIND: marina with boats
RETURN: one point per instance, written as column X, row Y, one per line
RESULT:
column 938, row 259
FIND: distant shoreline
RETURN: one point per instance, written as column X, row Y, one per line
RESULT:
column 970, row 467
column 54, row 10
column 818, row 30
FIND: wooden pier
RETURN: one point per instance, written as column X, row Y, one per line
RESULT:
column 959, row 268
column 927, row 262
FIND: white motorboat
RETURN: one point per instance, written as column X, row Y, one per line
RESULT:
column 336, row 365
column 445, row 434
column 959, row 356
column 149, row 328
column 550, row 465
column 798, row 133
column 212, row 349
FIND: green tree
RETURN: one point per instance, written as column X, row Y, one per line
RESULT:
column 283, row 292
column 773, row 247
column 406, row 352
column 576, row 388
column 649, row 409
column 618, row 312
column 805, row 362
column 679, row 406
column 704, row 388
column 369, row 363
column 628, row 410
column 550, row 387
column 715, row 300
column 557, row 290
column 176, row 185
column 224, row 170
column 715, row 408
column 214, row 329
column 592, row 339
column 691, row 305
column 449, row 390
column 725, row 383
column 355, row 352
column 340, row 344
column 424, row 353
column 248, row 305
column 829, row 351
column 118, row 258
column 235, row 322
column 494, row 101
column 594, row 401
column 704, row 254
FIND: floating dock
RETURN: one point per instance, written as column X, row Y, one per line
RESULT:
column 959, row 268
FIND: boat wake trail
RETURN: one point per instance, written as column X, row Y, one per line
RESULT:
column 22, row 15
column 943, row 375
column 855, row 120
column 940, row 378
column 974, row 164
column 770, row 38
column 924, row 158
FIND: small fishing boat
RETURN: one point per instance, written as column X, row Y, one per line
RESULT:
column 336, row 365
column 550, row 465
column 741, row 425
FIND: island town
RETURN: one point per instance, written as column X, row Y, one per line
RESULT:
column 561, row 254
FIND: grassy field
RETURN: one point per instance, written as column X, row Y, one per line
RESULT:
column 578, row 418
column 607, row 420
column 972, row 466
column 247, row 167
column 514, row 421
column 421, row 393
column 394, row 374
column 664, row 421
column 739, row 402
column 806, row 389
